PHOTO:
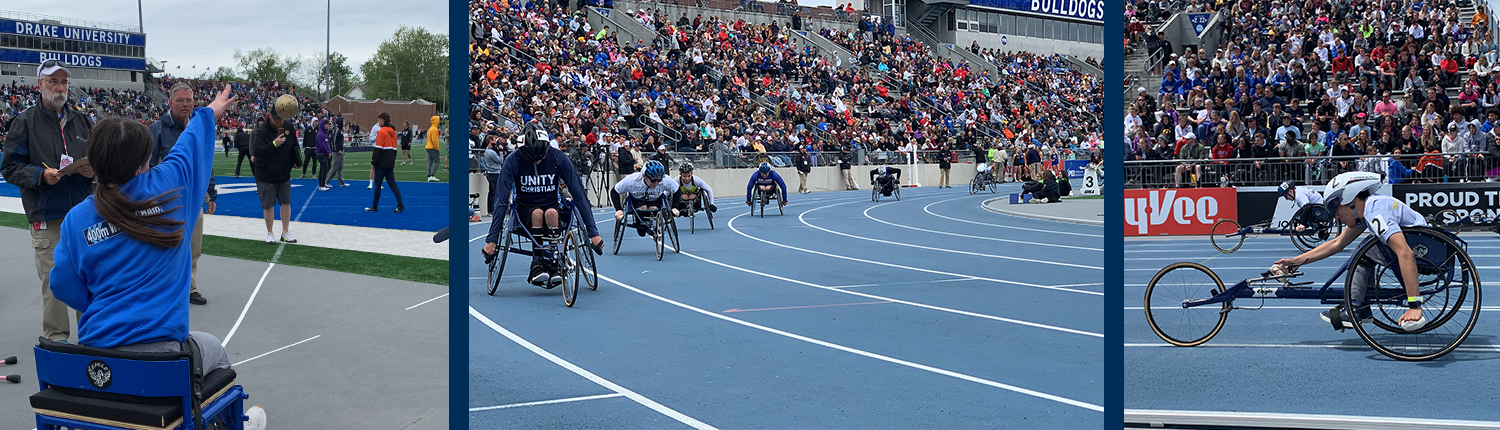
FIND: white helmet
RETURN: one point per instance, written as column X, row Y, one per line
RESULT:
column 1344, row 187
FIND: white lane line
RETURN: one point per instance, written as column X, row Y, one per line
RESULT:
column 1008, row 387
column 904, row 302
column 253, row 293
column 800, row 217
column 928, row 209
column 1089, row 284
column 478, row 237
column 428, row 300
column 996, row 239
column 546, row 402
column 247, row 360
column 658, row 407
column 966, row 278
column 898, row 266
column 274, row 258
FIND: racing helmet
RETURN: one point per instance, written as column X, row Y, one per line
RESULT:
column 654, row 170
column 534, row 142
column 765, row 167
column 1344, row 187
column 685, row 168
column 1284, row 188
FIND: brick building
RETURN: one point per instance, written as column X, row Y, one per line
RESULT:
column 363, row 112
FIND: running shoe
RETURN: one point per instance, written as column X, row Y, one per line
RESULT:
column 370, row 187
column 539, row 276
column 270, row 238
column 287, row 237
column 1364, row 316
column 197, row 299
column 432, row 179
column 324, row 188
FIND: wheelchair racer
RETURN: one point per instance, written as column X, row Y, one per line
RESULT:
column 1349, row 196
column 645, row 191
column 763, row 181
column 693, row 194
column 539, row 172
column 886, row 177
column 1299, row 196
column 983, row 171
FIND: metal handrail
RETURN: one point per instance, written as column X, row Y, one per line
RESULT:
column 24, row 16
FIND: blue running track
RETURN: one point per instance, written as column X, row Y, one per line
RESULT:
column 930, row 312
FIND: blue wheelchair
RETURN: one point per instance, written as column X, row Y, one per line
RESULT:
column 1186, row 303
column 659, row 223
column 570, row 249
column 103, row 389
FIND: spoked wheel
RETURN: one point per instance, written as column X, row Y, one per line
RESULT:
column 898, row 193
column 1221, row 237
column 619, row 234
column 710, row 216
column 1318, row 225
column 585, row 260
column 1448, row 282
column 692, row 221
column 658, row 235
column 994, row 187
column 1173, row 286
column 874, row 193
column 975, row 185
column 569, row 265
column 497, row 267
column 672, row 224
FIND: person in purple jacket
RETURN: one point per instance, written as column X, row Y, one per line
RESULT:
column 323, row 149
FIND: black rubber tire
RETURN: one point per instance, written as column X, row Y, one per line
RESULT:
column 1219, row 234
column 497, row 267
column 1319, row 229
column 1157, row 308
column 619, row 234
column 569, row 266
column 1450, row 304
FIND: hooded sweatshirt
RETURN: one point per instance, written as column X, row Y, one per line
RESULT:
column 128, row 291
column 323, row 148
column 433, row 134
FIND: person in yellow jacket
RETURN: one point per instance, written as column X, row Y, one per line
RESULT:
column 433, row 149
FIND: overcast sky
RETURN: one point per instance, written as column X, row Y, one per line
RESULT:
column 206, row 33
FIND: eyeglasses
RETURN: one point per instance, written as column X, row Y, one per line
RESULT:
column 653, row 181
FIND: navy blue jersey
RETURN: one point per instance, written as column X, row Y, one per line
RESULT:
column 538, row 185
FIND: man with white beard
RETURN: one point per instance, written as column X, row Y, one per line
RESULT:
column 41, row 140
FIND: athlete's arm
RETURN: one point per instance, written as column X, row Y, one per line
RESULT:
column 750, row 186
column 575, row 187
column 501, row 211
column 1407, row 260
column 707, row 191
column 782, row 184
column 1323, row 251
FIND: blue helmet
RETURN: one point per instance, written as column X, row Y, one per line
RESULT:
column 654, row 170
column 765, row 167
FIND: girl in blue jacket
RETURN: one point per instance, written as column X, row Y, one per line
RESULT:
column 123, row 260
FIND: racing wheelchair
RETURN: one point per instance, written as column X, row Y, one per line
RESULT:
column 979, row 184
column 1178, row 311
column 763, row 199
column 1318, row 226
column 569, row 248
column 92, row 388
column 660, row 223
column 895, row 190
column 695, row 206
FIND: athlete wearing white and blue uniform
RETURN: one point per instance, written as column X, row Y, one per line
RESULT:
column 538, row 172
column 1300, row 197
column 764, row 178
column 1349, row 196
column 645, row 191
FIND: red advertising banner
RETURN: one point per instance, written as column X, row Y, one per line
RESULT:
column 1177, row 211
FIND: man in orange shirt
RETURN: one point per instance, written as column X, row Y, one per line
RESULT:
column 383, row 161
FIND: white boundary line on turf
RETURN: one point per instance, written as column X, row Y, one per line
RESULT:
column 274, row 258
column 1007, row 387
column 428, row 300
column 904, row 302
column 996, row 239
column 928, row 209
column 730, row 224
column 545, row 402
column 658, row 407
column 247, row 360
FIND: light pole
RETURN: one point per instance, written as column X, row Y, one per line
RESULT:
column 328, row 54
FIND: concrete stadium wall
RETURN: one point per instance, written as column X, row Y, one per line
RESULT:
column 730, row 183
column 1010, row 42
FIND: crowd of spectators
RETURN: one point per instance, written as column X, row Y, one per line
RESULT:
column 1327, row 79
column 740, row 91
column 254, row 99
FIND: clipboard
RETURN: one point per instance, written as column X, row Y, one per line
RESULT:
column 73, row 168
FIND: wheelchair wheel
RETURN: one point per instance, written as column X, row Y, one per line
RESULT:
column 898, row 193
column 1167, row 291
column 1448, row 282
column 586, row 264
column 658, row 235
column 975, row 186
column 497, row 267
column 1319, row 227
column 672, row 230
column 569, row 264
column 710, row 216
column 874, row 193
column 1220, row 236
column 619, row 234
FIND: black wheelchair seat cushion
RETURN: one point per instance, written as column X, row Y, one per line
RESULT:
column 137, row 410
